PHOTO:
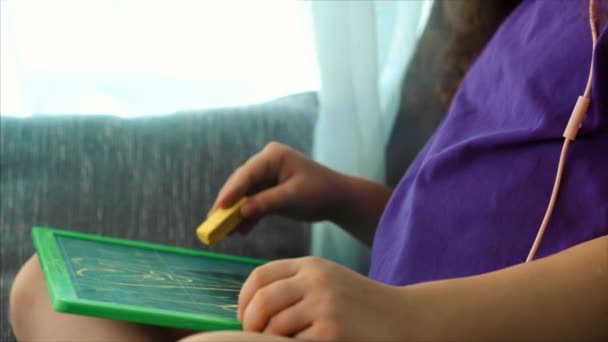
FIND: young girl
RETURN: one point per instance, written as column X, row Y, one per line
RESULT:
column 466, row 211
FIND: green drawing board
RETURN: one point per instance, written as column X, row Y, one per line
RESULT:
column 141, row 282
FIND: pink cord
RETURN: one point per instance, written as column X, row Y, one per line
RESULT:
column 575, row 122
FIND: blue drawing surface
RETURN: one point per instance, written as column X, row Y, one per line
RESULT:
column 149, row 278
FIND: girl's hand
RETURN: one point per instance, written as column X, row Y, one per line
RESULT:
column 280, row 180
column 315, row 299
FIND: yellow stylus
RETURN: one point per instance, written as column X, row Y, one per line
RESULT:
column 220, row 223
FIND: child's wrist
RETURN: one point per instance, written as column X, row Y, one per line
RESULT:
column 405, row 320
column 340, row 210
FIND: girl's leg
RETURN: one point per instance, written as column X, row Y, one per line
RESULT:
column 234, row 336
column 33, row 318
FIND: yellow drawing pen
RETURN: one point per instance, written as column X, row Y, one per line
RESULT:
column 220, row 223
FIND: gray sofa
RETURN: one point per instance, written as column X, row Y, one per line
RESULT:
column 151, row 178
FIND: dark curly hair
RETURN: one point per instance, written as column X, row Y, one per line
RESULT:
column 470, row 23
column 456, row 32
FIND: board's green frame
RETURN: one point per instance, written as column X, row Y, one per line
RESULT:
column 64, row 297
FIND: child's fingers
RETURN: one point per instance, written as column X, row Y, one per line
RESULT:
column 256, row 170
column 310, row 333
column 245, row 226
column 249, row 226
column 269, row 301
column 268, row 201
column 262, row 276
column 229, row 193
column 291, row 320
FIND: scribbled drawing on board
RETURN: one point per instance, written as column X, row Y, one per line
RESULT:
column 118, row 274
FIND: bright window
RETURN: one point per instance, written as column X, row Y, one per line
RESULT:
column 128, row 58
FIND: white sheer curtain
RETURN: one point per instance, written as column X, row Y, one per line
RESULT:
column 363, row 48
column 133, row 57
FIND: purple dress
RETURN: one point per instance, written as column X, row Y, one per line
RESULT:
column 475, row 196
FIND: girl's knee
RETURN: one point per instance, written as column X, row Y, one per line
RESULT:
column 235, row 336
column 27, row 294
column 33, row 317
